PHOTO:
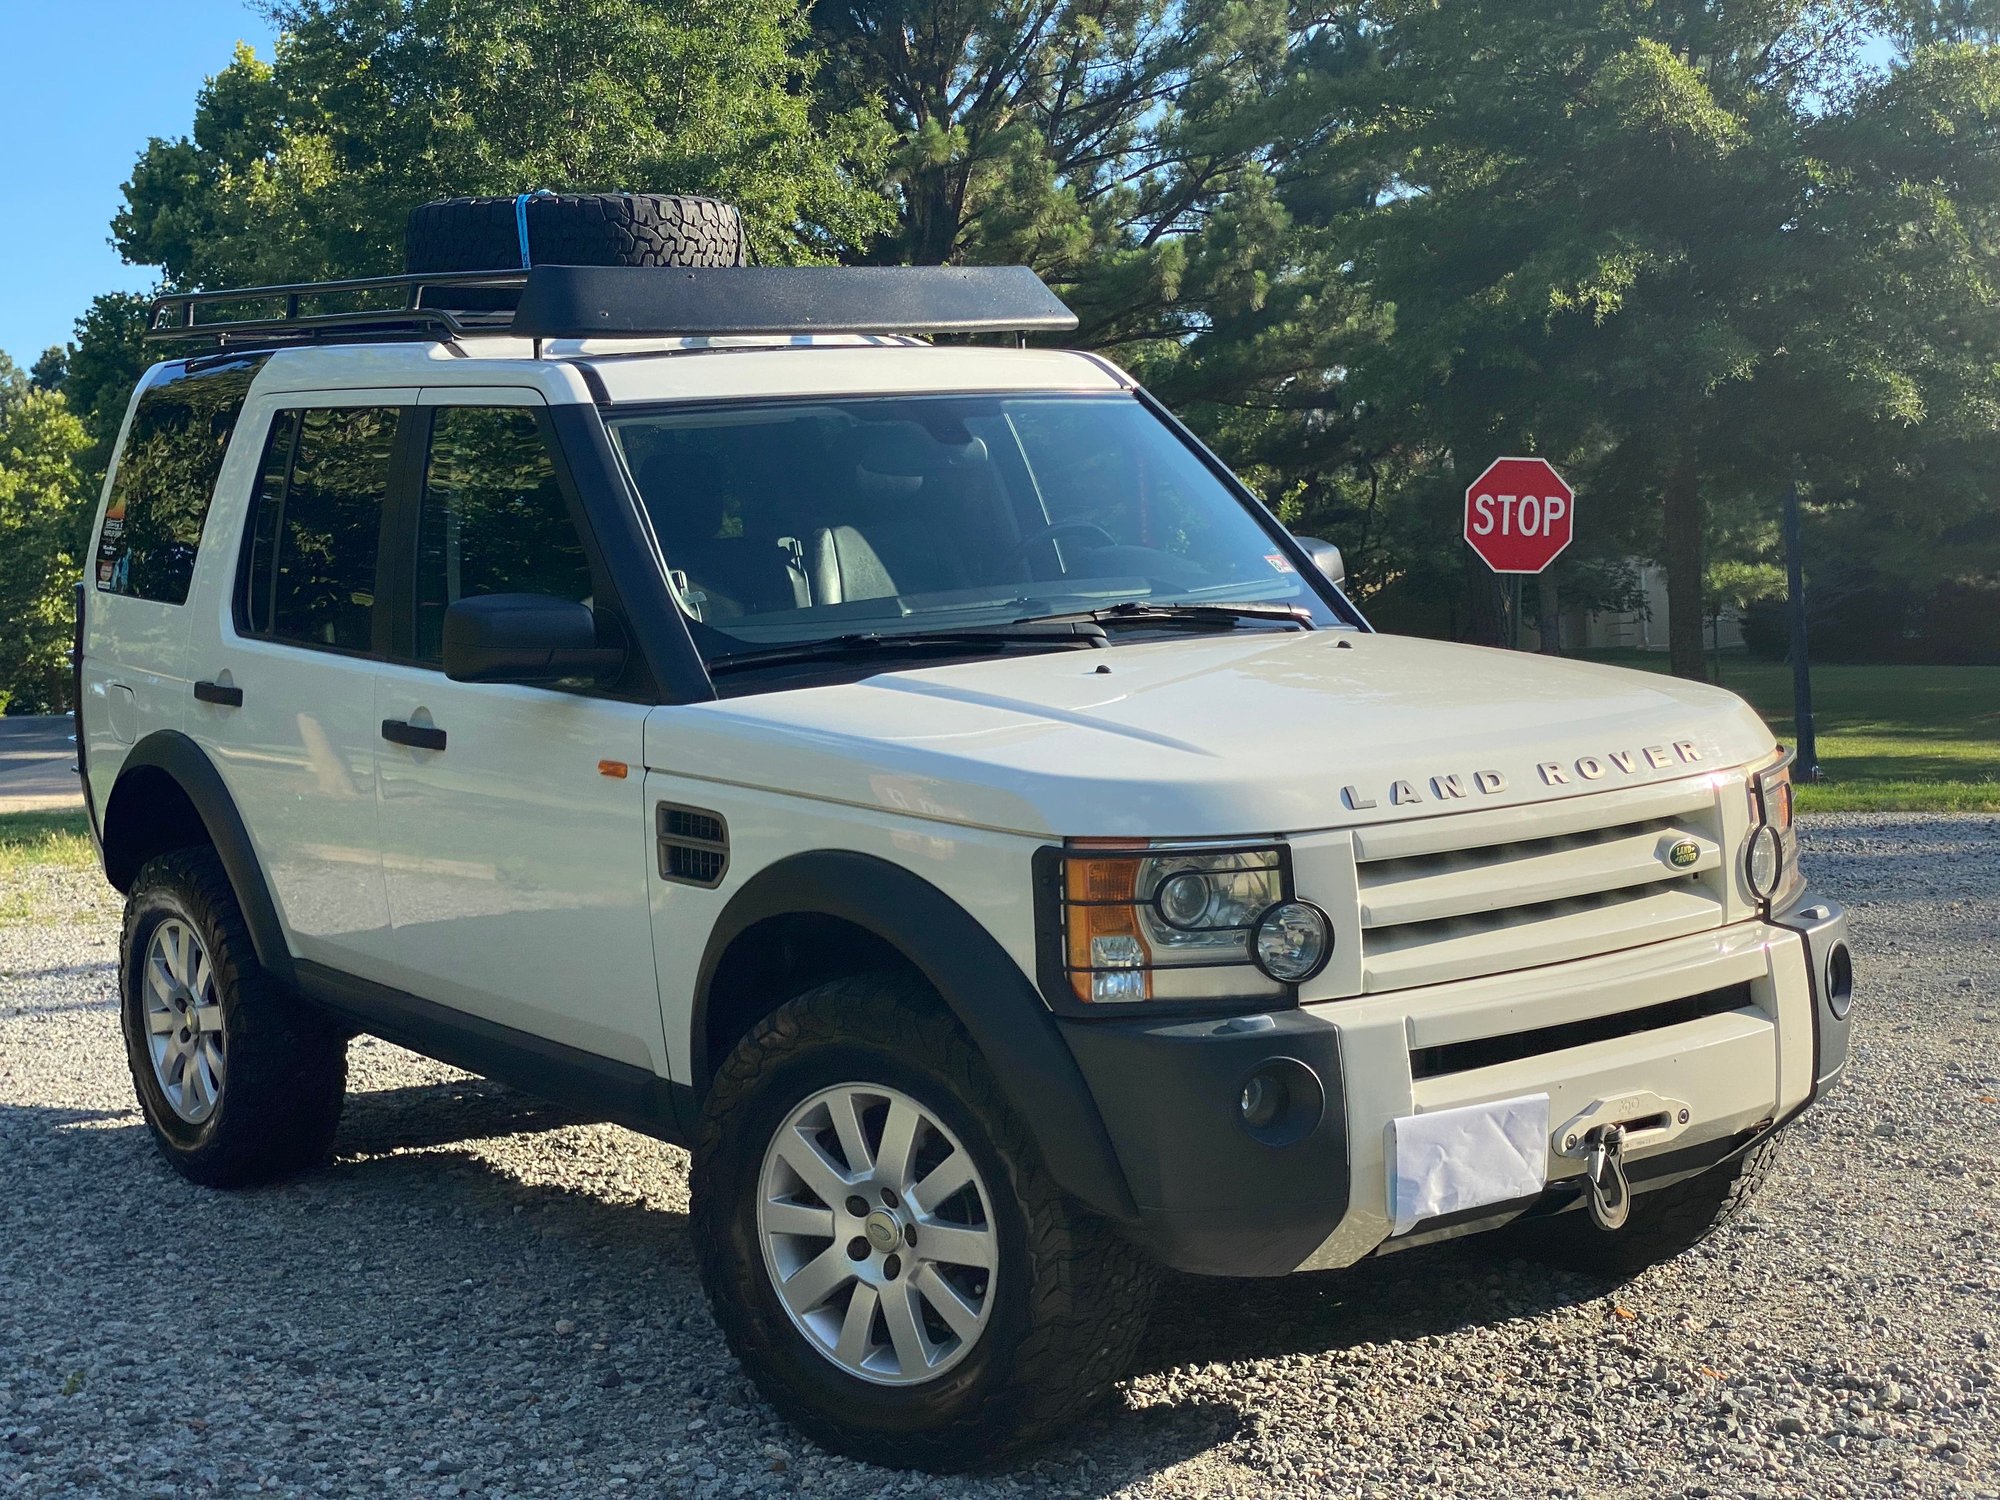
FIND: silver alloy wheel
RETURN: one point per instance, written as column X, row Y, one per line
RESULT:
column 878, row 1233
column 183, row 1020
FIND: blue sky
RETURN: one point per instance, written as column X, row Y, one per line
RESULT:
column 87, row 81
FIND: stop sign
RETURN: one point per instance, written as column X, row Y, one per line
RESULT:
column 1519, row 515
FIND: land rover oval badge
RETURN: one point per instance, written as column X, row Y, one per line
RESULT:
column 1683, row 854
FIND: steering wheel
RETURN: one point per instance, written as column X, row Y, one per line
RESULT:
column 1055, row 529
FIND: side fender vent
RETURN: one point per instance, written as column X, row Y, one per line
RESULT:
column 694, row 845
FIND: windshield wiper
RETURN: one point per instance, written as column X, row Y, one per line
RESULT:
column 1227, row 616
column 1051, row 633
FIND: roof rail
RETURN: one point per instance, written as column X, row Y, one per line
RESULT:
column 610, row 302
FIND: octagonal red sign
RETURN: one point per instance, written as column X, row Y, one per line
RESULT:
column 1519, row 515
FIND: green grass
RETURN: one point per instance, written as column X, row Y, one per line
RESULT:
column 1891, row 739
column 44, row 838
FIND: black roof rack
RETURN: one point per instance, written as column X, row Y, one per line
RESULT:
column 422, row 307
column 578, row 302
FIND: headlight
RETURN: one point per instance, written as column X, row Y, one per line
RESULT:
column 1771, row 852
column 1143, row 922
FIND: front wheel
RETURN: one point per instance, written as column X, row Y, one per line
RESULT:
column 883, row 1248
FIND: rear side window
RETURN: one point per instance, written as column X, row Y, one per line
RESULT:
column 493, row 519
column 166, row 476
column 315, row 535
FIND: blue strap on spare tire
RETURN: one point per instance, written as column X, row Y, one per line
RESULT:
column 521, row 221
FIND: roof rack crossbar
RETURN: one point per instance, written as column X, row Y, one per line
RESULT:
column 627, row 302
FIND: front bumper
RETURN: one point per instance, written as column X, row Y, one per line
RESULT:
column 1747, row 1024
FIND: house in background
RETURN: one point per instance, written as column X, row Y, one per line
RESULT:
column 1642, row 629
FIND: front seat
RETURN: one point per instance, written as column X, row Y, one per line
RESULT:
column 888, row 545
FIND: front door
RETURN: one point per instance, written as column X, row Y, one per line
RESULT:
column 515, row 846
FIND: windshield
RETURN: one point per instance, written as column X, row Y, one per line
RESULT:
column 802, row 520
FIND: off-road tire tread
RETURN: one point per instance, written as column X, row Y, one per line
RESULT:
column 1663, row 1224
column 287, row 1065
column 581, row 229
column 1092, row 1289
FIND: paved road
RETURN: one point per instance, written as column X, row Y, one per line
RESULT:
column 482, row 1296
column 36, row 756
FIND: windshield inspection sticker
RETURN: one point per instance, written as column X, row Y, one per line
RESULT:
column 1279, row 562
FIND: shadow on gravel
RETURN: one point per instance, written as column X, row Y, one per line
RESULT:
column 1433, row 1290
column 108, row 968
column 441, row 1114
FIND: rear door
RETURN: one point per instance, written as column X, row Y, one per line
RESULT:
column 284, row 664
column 514, row 836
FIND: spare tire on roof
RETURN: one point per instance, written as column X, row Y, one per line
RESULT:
column 574, row 229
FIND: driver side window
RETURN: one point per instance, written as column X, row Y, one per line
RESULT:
column 493, row 518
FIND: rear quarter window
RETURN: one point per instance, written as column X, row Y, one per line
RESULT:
column 166, row 477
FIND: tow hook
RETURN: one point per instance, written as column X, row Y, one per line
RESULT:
column 1600, row 1134
column 1605, row 1188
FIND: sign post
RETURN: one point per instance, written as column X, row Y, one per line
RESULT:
column 1519, row 515
column 1806, row 752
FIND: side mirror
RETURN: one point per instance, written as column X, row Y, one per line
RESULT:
column 1326, row 557
column 525, row 638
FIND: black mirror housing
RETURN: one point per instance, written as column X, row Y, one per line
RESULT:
column 526, row 638
column 1326, row 557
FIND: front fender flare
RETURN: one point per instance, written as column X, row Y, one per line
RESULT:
column 984, row 988
column 188, row 765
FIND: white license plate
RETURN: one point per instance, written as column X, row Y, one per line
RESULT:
column 1455, row 1159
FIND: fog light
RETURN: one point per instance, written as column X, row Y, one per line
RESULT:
column 1293, row 941
column 1263, row 1100
column 1282, row 1102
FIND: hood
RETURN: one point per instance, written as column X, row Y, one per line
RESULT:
column 1215, row 736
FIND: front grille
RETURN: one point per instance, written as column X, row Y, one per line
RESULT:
column 694, row 845
column 1491, row 1051
column 1463, row 895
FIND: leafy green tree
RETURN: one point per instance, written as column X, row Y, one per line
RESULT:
column 305, row 166
column 1653, row 243
column 42, row 518
column 105, row 363
column 48, row 372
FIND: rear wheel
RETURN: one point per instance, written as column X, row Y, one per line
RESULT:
column 239, row 1082
column 1663, row 1224
column 883, row 1248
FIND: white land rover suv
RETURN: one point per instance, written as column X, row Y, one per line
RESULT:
column 918, row 778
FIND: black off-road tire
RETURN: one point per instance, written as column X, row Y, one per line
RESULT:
column 286, row 1066
column 574, row 229
column 1663, row 1224
column 1072, row 1293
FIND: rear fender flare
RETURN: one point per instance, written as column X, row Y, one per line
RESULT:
column 188, row 766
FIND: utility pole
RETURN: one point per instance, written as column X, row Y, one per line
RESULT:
column 1806, row 764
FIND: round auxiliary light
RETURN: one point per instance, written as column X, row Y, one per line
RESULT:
column 1763, row 862
column 1293, row 941
column 1185, row 898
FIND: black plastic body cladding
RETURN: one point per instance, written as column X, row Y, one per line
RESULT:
column 985, row 989
column 182, row 759
column 1212, row 1198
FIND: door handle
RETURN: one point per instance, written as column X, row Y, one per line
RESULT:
column 219, row 693
column 416, row 736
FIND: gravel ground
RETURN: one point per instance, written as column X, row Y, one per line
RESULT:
column 485, row 1296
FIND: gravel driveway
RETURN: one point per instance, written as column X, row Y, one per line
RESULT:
column 486, row 1296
